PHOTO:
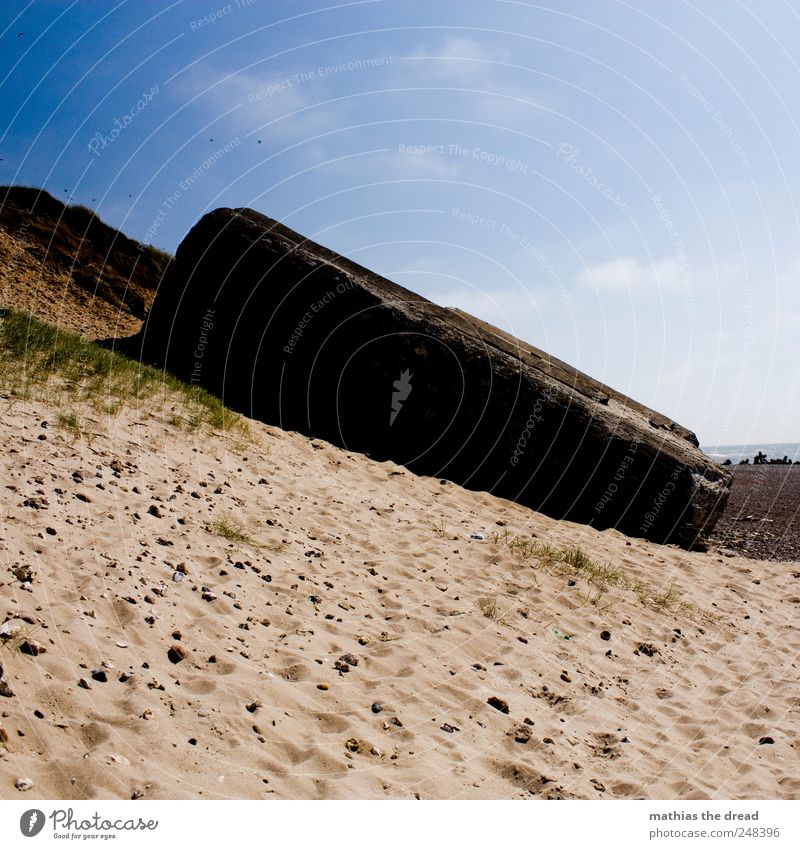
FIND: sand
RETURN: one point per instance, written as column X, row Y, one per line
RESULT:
column 355, row 645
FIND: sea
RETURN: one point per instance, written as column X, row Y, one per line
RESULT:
column 735, row 453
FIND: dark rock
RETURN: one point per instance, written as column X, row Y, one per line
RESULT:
column 605, row 635
column 32, row 648
column 376, row 707
column 498, row 704
column 176, row 653
column 342, row 354
column 766, row 741
column 100, row 675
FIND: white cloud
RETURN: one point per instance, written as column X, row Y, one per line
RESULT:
column 629, row 273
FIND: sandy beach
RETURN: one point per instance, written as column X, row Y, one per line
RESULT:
column 260, row 615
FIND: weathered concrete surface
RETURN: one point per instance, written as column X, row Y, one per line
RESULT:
column 291, row 333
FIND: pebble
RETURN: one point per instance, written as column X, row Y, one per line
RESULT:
column 605, row 635
column 84, row 684
column 5, row 689
column 176, row 653
column 498, row 704
column 23, row 784
column 32, row 648
column 377, row 707
column 323, row 686
column 100, row 675
column 3, row 736
column 253, row 706
column 522, row 734
column 155, row 510
column 766, row 741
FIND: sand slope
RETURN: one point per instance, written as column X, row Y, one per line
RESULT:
column 345, row 560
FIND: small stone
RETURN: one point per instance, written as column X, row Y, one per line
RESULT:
column 765, row 741
column 23, row 784
column 125, row 677
column 176, row 653
column 498, row 704
column 377, row 707
column 155, row 510
column 24, row 574
column 3, row 736
column 5, row 689
column 605, row 635
column 648, row 649
column 112, row 758
column 349, row 659
column 193, row 741
column 32, row 648
column 323, row 686
column 548, row 740
column 565, row 677
column 81, row 496
column 99, row 675
column 207, row 596
column 38, row 714
column 449, row 728
column 84, row 684
column 522, row 734
column 51, row 531
column 253, row 706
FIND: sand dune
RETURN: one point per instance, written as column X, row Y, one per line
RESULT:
column 350, row 638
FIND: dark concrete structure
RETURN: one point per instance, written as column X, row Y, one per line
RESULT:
column 288, row 332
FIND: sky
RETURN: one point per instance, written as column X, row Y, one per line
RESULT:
column 613, row 182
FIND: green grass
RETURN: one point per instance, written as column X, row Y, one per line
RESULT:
column 231, row 530
column 576, row 562
column 37, row 359
column 71, row 422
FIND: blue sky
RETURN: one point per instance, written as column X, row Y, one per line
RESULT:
column 614, row 182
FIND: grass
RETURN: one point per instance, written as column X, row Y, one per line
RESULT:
column 71, row 422
column 439, row 528
column 231, row 530
column 576, row 562
column 489, row 608
column 37, row 358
